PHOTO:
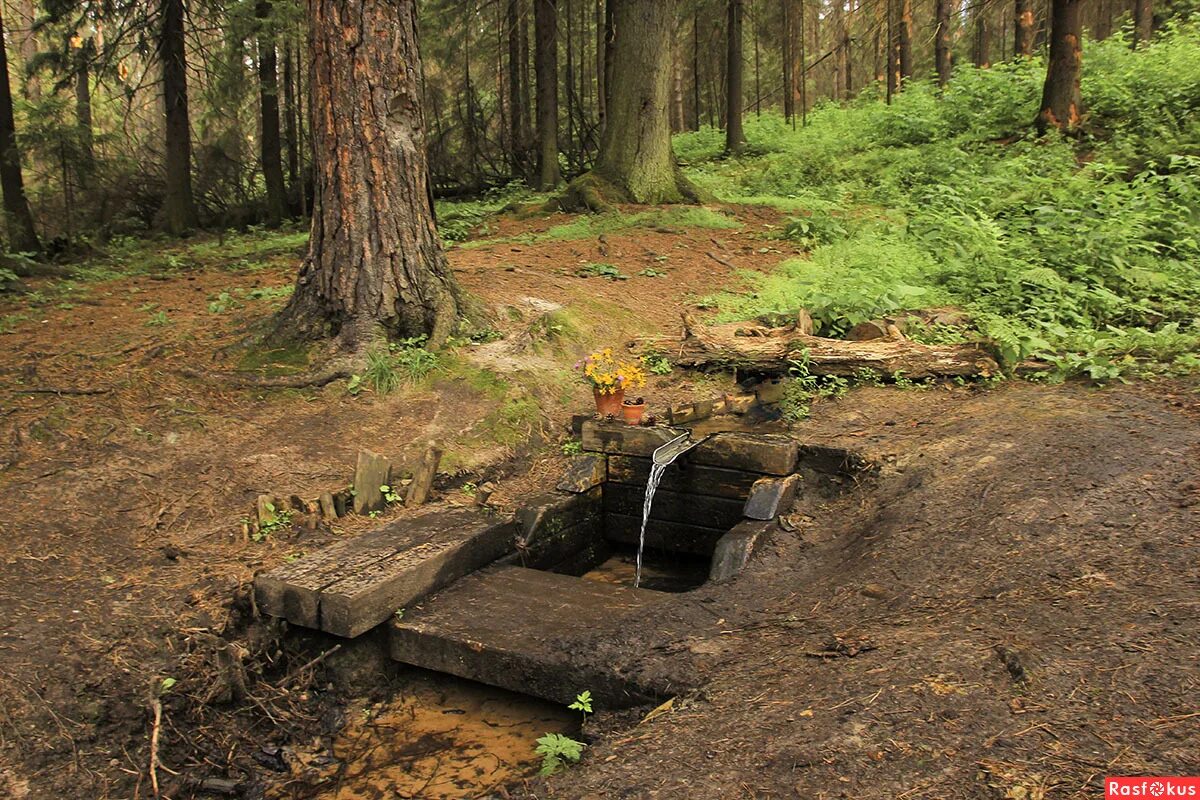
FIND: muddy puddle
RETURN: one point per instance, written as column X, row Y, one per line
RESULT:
column 437, row 738
column 661, row 572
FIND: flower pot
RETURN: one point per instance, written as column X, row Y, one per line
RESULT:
column 609, row 404
column 632, row 411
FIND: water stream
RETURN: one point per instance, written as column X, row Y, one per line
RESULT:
column 662, row 458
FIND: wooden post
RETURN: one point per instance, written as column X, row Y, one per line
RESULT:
column 423, row 475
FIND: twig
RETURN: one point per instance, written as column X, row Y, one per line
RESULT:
column 291, row 676
column 719, row 260
column 156, row 706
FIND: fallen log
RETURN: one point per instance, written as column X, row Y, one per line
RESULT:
column 756, row 348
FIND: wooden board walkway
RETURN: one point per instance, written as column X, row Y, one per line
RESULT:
column 352, row 586
column 525, row 630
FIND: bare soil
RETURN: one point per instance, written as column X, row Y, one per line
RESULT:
column 1018, row 587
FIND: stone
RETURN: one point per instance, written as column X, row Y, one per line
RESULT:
column 770, row 496
column 327, row 506
column 770, row 390
column 423, row 475
column 739, row 403
column 584, row 472
column 734, row 550
column 371, row 472
column 617, row 437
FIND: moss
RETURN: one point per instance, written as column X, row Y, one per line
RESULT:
column 275, row 361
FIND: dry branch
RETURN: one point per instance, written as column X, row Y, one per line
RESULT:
column 755, row 347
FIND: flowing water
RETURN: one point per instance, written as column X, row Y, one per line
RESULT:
column 662, row 458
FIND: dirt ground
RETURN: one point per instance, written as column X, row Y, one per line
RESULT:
column 1022, row 573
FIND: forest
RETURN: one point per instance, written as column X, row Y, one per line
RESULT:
column 346, row 344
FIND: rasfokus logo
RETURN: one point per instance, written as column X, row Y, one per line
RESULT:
column 1152, row 787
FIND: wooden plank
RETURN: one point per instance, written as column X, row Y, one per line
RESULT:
column 771, row 454
column 669, row 536
column 684, row 476
column 622, row 439
column 371, row 472
column 690, row 509
column 524, row 630
column 360, row 601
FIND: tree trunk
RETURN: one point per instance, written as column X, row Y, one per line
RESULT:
column 756, row 348
column 516, row 162
column 291, row 144
column 526, row 89
column 904, row 46
column 27, row 16
column 981, row 48
column 22, row 238
column 678, row 118
column 735, row 136
column 636, row 163
column 893, row 49
column 270, row 146
column 375, row 264
column 1062, row 103
column 545, row 21
column 1143, row 21
column 83, row 102
column 601, row 83
column 179, row 206
column 789, row 97
column 941, row 41
column 1023, row 26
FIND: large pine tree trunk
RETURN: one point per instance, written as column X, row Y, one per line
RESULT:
column 636, row 163
column 270, row 144
column 375, row 264
column 545, row 23
column 941, row 41
column 1143, row 21
column 904, row 44
column 179, row 206
column 1024, row 28
column 516, row 144
column 735, row 135
column 981, row 50
column 290, row 139
column 1062, row 103
column 22, row 238
column 83, row 102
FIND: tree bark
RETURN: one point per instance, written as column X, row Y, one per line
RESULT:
column 83, row 101
column 270, row 145
column 636, row 163
column 375, row 265
column 601, row 83
column 22, row 238
column 179, row 205
column 545, row 22
column 1143, row 21
column 981, row 48
column 1062, row 103
column 789, row 96
column 1024, row 28
column 941, row 41
column 516, row 160
column 292, row 144
column 735, row 135
column 27, row 16
column 755, row 348
column 904, row 44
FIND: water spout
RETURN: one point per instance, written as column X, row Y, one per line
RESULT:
column 664, row 455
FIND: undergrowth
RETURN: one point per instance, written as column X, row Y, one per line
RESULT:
column 1083, row 253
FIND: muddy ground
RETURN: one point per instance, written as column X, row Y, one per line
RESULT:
column 1016, row 593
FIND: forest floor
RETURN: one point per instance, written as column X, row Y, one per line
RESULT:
column 1058, row 524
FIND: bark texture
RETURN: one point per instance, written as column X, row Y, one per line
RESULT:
column 1024, row 28
column 1062, row 103
column 22, row 237
column 941, row 41
column 545, row 25
column 179, row 205
column 375, row 264
column 270, row 142
column 735, row 135
column 1143, row 21
column 905, row 35
column 636, row 163
column 753, row 347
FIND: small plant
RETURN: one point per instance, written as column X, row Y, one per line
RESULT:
column 651, row 272
column 557, row 751
column 469, row 489
column 390, row 495
column 354, row 385
column 221, row 303
column 166, row 685
column 157, row 320
column 280, row 522
column 572, row 447
column 602, row 271
column 380, row 371
column 411, row 358
column 583, row 703
column 657, row 364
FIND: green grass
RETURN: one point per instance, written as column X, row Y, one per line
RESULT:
column 589, row 226
column 1085, row 253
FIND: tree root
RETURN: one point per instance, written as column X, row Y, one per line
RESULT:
column 305, row 380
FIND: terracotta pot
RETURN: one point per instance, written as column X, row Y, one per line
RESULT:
column 632, row 411
column 609, row 404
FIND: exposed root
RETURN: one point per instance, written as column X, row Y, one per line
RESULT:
column 305, row 380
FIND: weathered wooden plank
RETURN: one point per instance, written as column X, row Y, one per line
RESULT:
column 684, row 476
column 772, row 454
column 710, row 512
column 467, row 630
column 362, row 600
column 672, row 537
column 629, row 440
column 371, row 472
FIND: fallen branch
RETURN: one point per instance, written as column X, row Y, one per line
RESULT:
column 57, row 390
column 757, row 348
column 156, row 707
column 304, row 380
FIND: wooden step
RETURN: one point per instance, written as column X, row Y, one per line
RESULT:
column 527, row 631
column 352, row 586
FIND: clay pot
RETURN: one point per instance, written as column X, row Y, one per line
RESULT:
column 632, row 411
column 609, row 405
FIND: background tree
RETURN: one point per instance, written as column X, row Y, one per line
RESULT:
column 375, row 265
column 1023, row 28
column 270, row 143
column 546, row 57
column 19, row 221
column 1143, row 21
column 941, row 41
column 1062, row 102
column 735, row 136
column 179, row 205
